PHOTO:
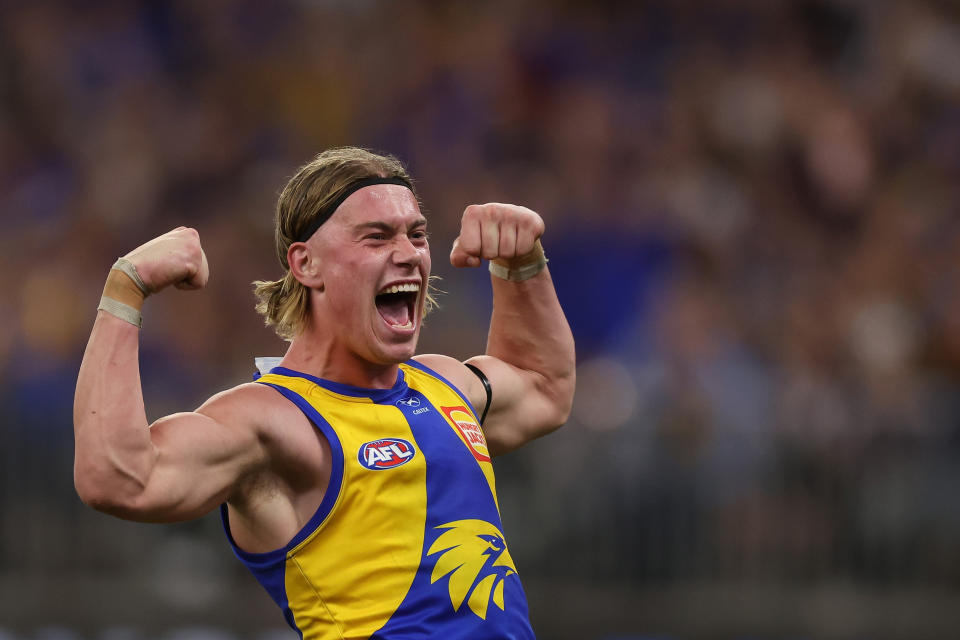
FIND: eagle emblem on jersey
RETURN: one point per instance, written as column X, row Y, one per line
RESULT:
column 475, row 555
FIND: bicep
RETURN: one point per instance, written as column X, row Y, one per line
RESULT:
column 198, row 459
column 520, row 407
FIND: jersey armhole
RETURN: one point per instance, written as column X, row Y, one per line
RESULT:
column 424, row 368
column 330, row 497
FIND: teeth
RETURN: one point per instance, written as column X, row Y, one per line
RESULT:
column 408, row 325
column 410, row 287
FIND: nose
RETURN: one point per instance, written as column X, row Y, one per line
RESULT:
column 405, row 253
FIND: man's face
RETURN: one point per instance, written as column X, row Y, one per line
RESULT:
column 374, row 259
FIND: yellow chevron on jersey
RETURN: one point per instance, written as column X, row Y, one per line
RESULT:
column 407, row 542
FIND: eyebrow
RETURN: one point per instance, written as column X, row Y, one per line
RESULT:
column 383, row 226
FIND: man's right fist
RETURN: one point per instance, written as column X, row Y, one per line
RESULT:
column 174, row 258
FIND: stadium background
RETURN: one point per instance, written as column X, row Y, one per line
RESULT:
column 752, row 223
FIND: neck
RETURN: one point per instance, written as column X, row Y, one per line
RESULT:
column 312, row 354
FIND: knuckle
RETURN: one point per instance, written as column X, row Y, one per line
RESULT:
column 531, row 222
column 496, row 214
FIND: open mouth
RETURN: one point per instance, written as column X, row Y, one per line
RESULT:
column 397, row 304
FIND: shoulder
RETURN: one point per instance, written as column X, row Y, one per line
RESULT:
column 239, row 403
column 457, row 374
column 266, row 419
column 251, row 407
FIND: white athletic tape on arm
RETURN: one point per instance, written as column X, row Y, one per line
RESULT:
column 123, row 311
column 124, row 265
column 522, row 267
column 518, row 275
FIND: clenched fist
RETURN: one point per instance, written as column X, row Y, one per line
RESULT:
column 495, row 231
column 174, row 258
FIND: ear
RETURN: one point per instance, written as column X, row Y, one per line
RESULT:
column 305, row 265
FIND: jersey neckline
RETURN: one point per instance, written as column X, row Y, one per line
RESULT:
column 376, row 395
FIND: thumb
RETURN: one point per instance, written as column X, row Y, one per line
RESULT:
column 199, row 278
column 460, row 258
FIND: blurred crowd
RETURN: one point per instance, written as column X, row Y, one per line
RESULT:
column 752, row 220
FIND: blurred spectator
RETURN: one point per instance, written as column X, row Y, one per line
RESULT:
column 752, row 221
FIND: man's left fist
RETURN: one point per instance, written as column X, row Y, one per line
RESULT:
column 495, row 231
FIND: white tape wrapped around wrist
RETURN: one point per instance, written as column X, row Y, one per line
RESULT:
column 124, row 265
column 123, row 311
column 518, row 274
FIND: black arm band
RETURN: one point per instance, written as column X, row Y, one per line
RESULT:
column 486, row 387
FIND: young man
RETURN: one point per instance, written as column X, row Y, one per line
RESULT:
column 354, row 478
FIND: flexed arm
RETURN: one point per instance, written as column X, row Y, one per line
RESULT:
column 530, row 359
column 121, row 464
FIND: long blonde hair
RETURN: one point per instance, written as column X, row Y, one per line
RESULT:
column 285, row 303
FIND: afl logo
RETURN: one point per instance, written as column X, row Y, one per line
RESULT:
column 385, row 454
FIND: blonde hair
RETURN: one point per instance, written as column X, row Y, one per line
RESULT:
column 285, row 303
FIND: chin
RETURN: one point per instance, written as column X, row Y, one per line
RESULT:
column 389, row 354
column 402, row 355
column 392, row 347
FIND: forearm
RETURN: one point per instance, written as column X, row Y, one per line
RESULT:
column 530, row 361
column 113, row 450
column 529, row 331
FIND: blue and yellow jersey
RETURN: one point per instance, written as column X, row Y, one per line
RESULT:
column 407, row 542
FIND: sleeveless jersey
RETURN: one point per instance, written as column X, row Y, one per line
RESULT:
column 407, row 541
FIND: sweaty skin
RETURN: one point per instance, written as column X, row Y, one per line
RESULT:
column 250, row 447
